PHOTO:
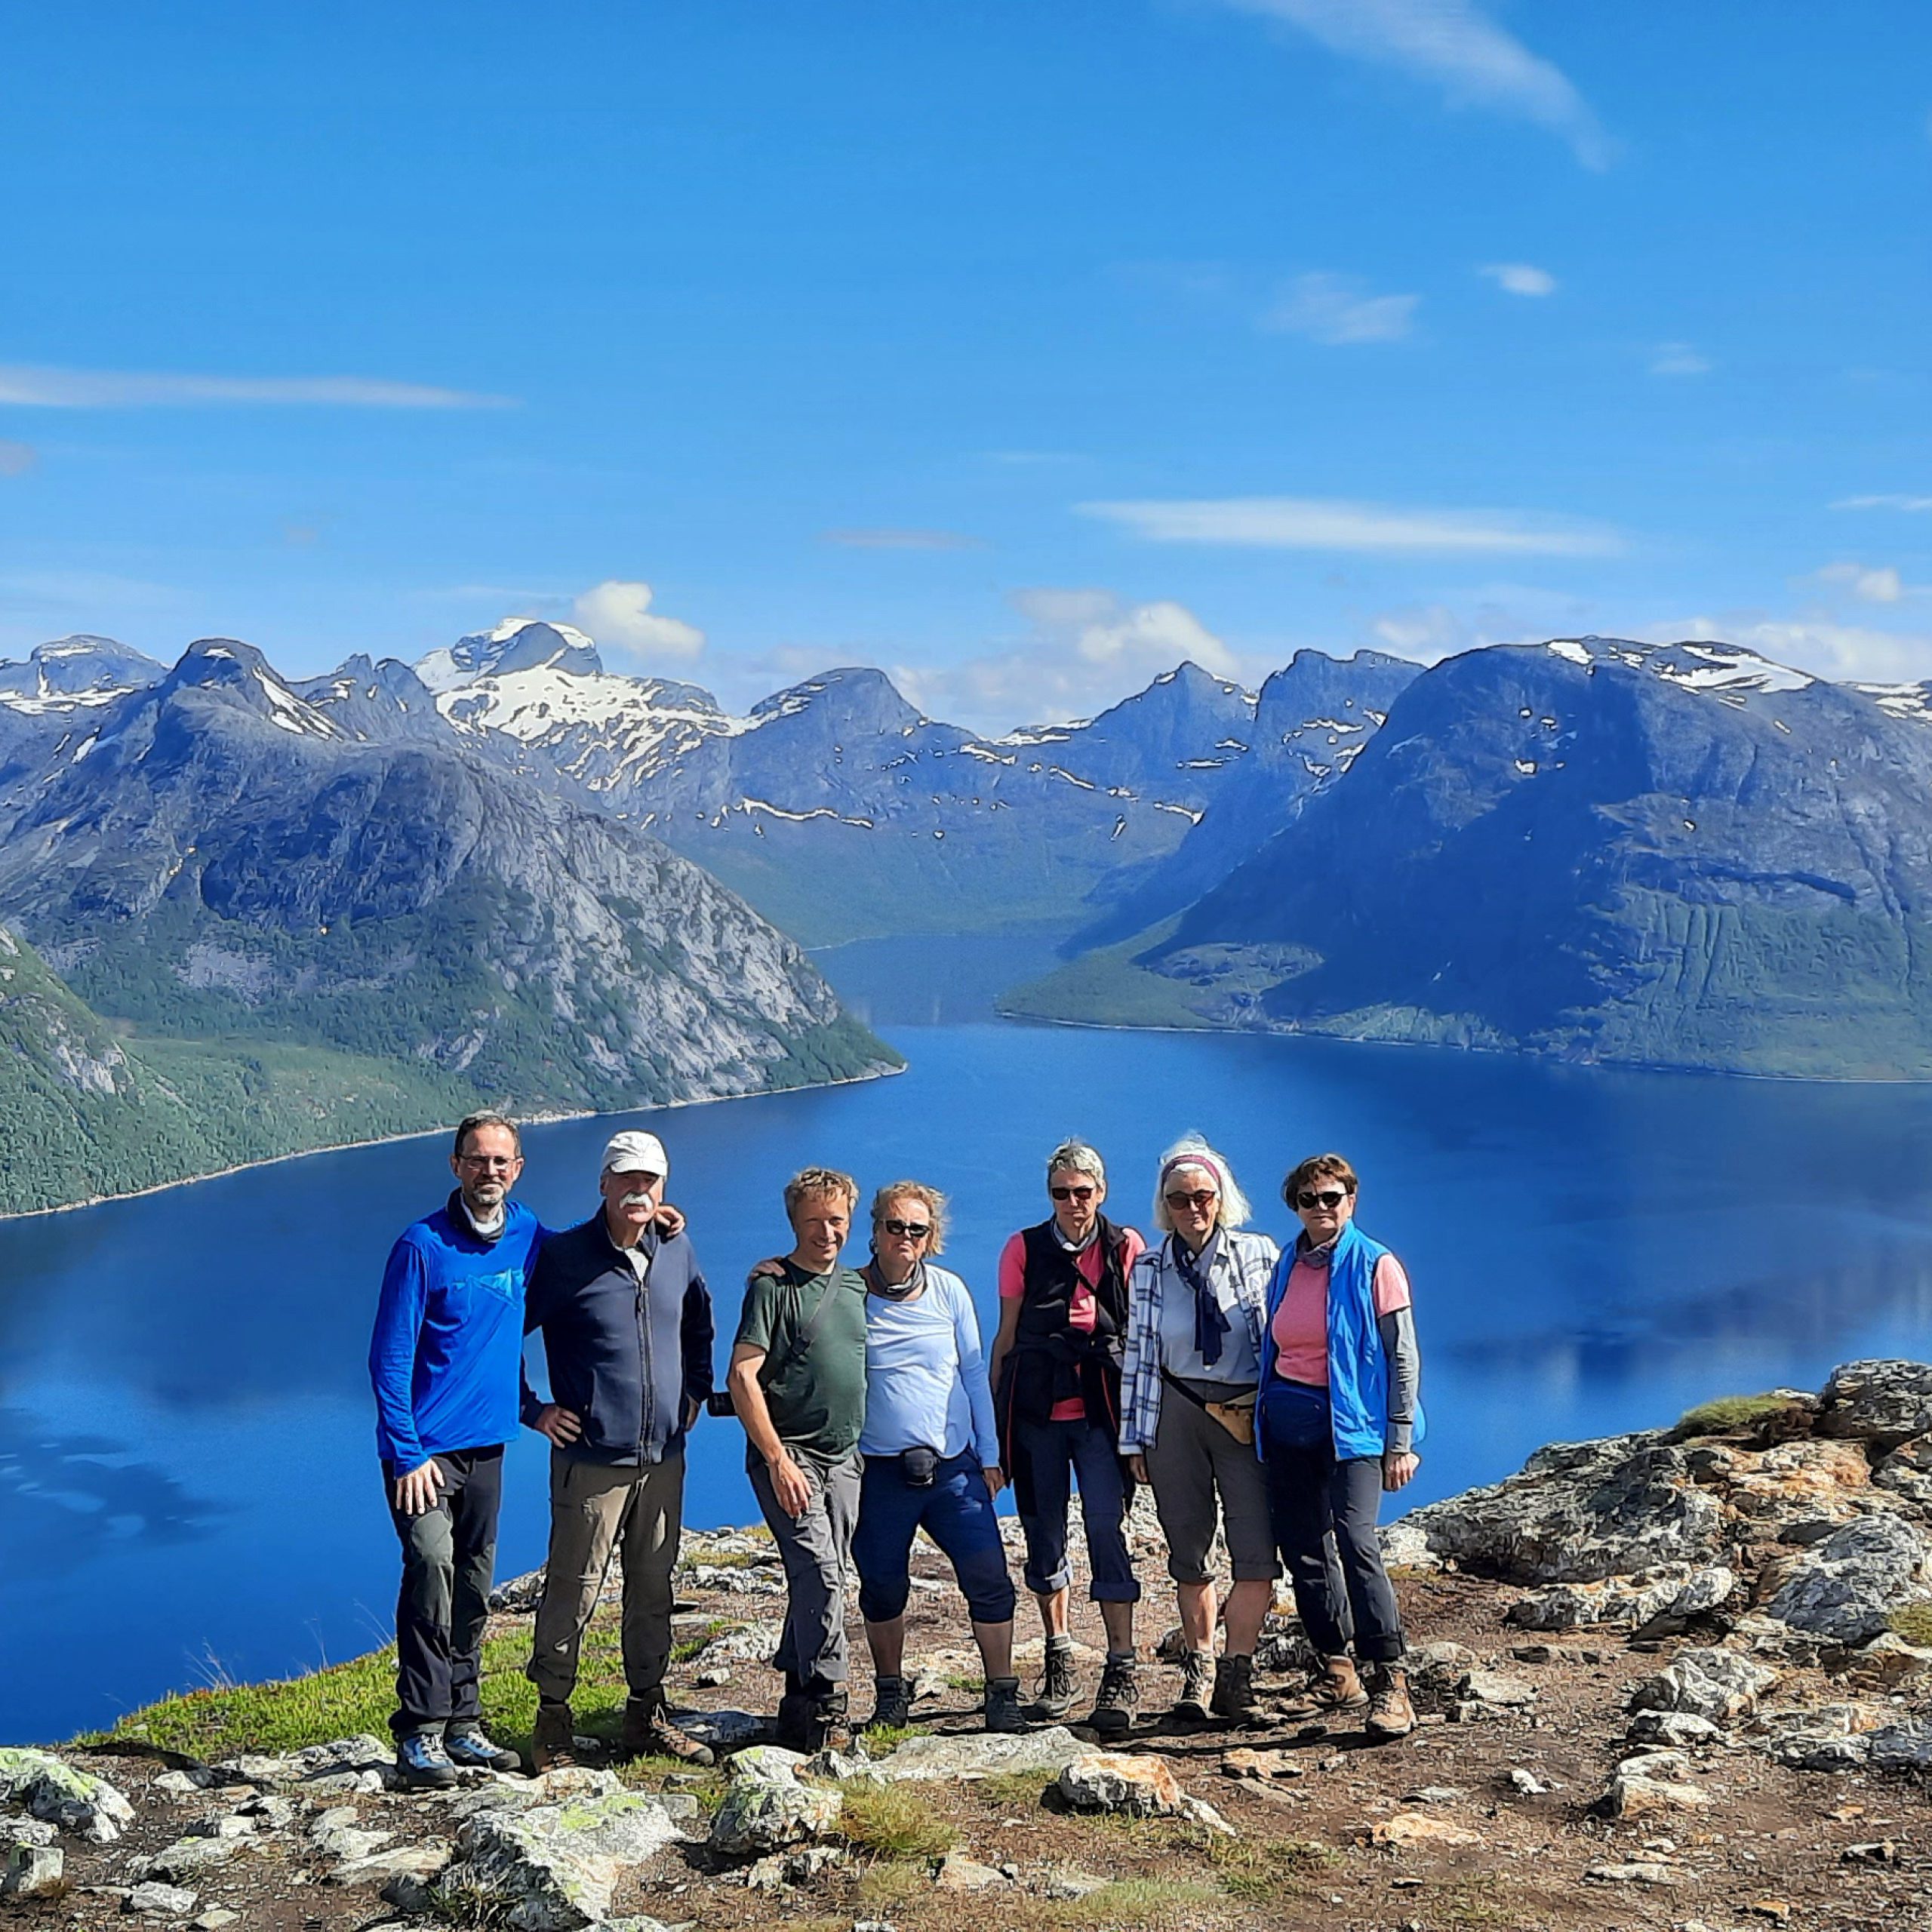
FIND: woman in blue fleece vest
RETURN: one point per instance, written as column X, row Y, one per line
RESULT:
column 1338, row 1423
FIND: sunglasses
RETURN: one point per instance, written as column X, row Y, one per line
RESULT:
column 1201, row 1197
column 1329, row 1197
column 907, row 1230
column 1071, row 1193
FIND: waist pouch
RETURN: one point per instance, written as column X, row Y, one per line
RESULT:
column 1296, row 1415
column 918, row 1466
column 1237, row 1417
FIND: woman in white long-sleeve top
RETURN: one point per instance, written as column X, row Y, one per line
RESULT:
column 1195, row 1310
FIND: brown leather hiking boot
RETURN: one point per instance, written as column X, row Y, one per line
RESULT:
column 553, row 1743
column 1390, row 1713
column 1333, row 1688
column 1234, row 1689
column 649, row 1730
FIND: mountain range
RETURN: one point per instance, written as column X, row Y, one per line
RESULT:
column 508, row 870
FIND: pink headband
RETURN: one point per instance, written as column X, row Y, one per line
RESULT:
column 1196, row 1157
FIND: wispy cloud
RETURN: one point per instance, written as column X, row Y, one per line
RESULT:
column 1870, row 584
column 1454, row 44
column 902, row 539
column 16, row 459
column 25, row 387
column 1679, row 358
column 1309, row 523
column 1519, row 277
column 618, row 614
column 1337, row 309
column 1919, row 505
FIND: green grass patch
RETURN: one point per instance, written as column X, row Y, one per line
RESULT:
column 893, row 1821
column 1132, row 1901
column 1259, row 1870
column 1012, row 1791
column 1913, row 1621
column 1728, row 1415
column 686, row 1648
column 881, row 1740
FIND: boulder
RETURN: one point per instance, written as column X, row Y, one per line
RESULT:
column 188, row 1858
column 182, row 1784
column 766, row 1808
column 1578, row 1512
column 33, row 1871
column 1901, row 1747
column 1675, row 1729
column 27, row 1831
column 1671, row 1594
column 75, row 1801
column 1847, row 1587
column 1716, row 1683
column 155, row 1900
column 1642, row 1785
column 1907, row 1472
column 1828, row 1737
column 932, row 1756
column 1138, row 1783
column 552, row 1868
column 415, row 1863
column 1492, row 1687
column 1882, row 1402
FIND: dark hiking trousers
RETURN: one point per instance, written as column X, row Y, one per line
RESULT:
column 448, row 1554
column 1310, row 1494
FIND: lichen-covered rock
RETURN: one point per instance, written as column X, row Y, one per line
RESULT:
column 33, row 1871
column 1907, row 1472
column 1580, row 1511
column 1138, row 1783
column 1716, row 1683
column 1673, row 1593
column 188, row 1858
column 553, row 1868
column 1886, row 1401
column 933, row 1756
column 767, row 1808
column 1846, row 1587
column 76, row 1800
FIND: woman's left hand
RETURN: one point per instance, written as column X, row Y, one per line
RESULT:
column 995, row 1477
column 1396, row 1470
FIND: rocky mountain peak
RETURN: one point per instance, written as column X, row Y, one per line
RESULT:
column 82, row 668
column 517, row 644
column 865, row 701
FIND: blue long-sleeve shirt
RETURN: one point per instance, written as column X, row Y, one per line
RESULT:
column 925, row 1374
column 446, row 1359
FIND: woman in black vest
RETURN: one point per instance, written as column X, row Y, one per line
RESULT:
column 1056, row 1375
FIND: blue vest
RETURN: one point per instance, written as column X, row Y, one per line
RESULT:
column 1358, row 1363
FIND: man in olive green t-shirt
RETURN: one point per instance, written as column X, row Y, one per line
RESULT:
column 797, row 1383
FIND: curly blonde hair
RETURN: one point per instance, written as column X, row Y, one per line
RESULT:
column 819, row 1180
column 928, row 1198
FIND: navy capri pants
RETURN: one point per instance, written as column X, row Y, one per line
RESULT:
column 956, row 1511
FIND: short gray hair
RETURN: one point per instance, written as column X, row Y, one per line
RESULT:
column 1191, row 1151
column 1074, row 1156
column 489, row 1117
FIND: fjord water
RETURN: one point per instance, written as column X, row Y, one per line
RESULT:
column 188, row 1488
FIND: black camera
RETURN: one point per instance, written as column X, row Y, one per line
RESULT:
column 719, row 1403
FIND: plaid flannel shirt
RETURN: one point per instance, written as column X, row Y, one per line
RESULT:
column 1237, row 1271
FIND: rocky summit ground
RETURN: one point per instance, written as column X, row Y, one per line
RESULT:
column 1676, row 1679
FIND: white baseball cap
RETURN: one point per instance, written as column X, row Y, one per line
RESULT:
column 634, row 1151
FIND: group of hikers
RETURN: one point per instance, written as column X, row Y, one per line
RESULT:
column 1270, row 1394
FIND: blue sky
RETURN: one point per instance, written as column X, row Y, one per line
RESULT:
column 1020, row 348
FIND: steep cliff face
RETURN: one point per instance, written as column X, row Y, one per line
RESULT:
column 228, row 859
column 1674, row 855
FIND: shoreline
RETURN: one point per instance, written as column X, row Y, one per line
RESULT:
column 429, row 1133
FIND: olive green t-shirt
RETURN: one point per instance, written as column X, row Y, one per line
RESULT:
column 817, row 1395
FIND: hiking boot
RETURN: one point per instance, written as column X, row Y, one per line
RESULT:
column 795, row 1712
column 1055, row 1697
column 469, row 1747
column 1390, row 1713
column 649, row 1729
column 1002, row 1706
column 553, row 1742
column 1234, row 1688
column 1114, row 1709
column 892, row 1704
column 422, row 1763
column 1197, row 1679
column 1332, row 1687
column 825, row 1728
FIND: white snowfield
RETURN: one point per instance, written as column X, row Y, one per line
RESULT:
column 1727, row 672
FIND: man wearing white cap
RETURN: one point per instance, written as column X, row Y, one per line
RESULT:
column 627, row 1322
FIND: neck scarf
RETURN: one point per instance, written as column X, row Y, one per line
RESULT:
column 1209, row 1324
column 484, row 1230
column 1315, row 1257
column 905, row 1291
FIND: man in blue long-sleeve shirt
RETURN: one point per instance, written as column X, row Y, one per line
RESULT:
column 627, row 1322
column 446, row 1360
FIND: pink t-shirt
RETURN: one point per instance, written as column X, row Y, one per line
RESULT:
column 1301, row 1322
column 1080, row 1311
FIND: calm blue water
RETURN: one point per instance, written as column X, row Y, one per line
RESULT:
column 187, row 1480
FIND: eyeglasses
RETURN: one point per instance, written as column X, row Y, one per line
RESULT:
column 1200, row 1199
column 1071, row 1193
column 1329, row 1197
column 907, row 1230
column 504, row 1162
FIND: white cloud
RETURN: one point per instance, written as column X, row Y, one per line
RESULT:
column 30, row 388
column 1308, row 523
column 902, row 539
column 1918, row 504
column 1090, row 649
column 1519, row 277
column 16, row 459
column 1868, row 586
column 1337, row 308
column 618, row 615
column 1475, row 62
column 1679, row 358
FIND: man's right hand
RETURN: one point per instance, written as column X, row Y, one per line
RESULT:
column 789, row 1485
column 563, row 1426
column 419, row 1490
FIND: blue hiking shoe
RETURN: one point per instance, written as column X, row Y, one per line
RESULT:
column 422, row 1764
column 468, row 1747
